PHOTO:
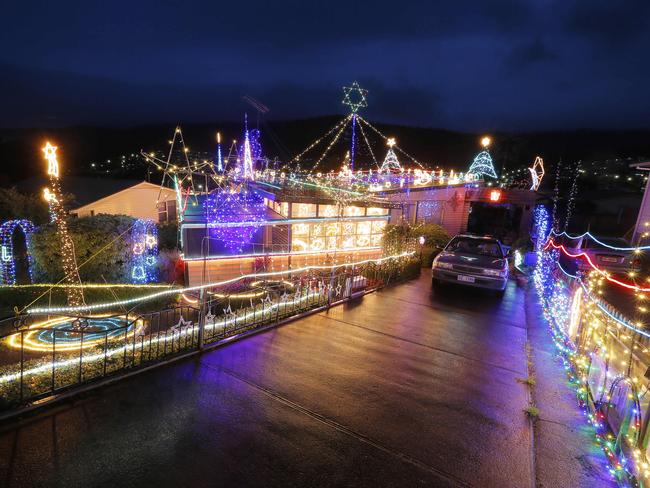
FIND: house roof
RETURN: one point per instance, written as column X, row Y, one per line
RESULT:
column 85, row 190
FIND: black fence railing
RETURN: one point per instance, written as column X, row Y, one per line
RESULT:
column 43, row 356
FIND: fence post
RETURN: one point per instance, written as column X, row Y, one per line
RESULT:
column 202, row 314
column 331, row 288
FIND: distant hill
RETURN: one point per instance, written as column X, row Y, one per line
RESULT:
column 20, row 155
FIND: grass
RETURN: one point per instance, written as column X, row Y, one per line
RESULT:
column 21, row 296
column 530, row 381
column 532, row 411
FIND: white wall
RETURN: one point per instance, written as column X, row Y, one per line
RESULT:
column 139, row 201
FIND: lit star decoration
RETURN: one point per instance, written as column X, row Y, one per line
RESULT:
column 144, row 242
column 58, row 216
column 230, row 206
column 8, row 261
column 355, row 97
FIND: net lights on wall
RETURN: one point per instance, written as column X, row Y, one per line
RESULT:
column 144, row 242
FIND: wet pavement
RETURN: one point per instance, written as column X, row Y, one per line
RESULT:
column 400, row 388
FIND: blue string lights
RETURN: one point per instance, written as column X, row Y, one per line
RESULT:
column 482, row 165
column 8, row 257
column 232, row 205
column 144, row 242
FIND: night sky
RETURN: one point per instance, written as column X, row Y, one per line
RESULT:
column 470, row 65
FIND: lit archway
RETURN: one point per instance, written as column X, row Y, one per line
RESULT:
column 8, row 257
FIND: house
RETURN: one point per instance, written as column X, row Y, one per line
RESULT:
column 142, row 200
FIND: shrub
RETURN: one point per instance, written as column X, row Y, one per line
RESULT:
column 435, row 236
column 109, row 234
column 168, row 236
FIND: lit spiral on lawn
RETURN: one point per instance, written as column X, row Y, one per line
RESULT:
column 60, row 334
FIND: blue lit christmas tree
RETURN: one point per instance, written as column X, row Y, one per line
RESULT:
column 482, row 164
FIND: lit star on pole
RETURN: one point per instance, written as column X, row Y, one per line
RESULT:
column 52, row 163
column 355, row 97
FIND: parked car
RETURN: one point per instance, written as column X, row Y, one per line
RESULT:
column 603, row 257
column 479, row 261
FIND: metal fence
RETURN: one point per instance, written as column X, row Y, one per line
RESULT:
column 43, row 356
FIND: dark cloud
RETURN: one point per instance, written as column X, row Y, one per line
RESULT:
column 467, row 64
column 608, row 21
column 533, row 52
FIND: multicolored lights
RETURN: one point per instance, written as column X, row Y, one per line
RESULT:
column 144, row 246
column 600, row 351
column 232, row 205
column 8, row 258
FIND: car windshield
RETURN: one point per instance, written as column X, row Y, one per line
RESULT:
column 480, row 247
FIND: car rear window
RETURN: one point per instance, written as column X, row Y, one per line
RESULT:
column 608, row 241
column 479, row 247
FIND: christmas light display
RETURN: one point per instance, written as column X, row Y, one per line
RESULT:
column 556, row 195
column 58, row 217
column 256, row 144
column 391, row 163
column 234, row 206
column 572, row 195
column 595, row 239
column 247, row 169
column 8, row 258
column 536, row 173
column 354, row 97
column 258, row 276
column 597, row 347
column 61, row 334
column 482, row 165
column 144, row 242
column 219, row 158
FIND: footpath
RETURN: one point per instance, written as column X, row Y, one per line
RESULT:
column 566, row 452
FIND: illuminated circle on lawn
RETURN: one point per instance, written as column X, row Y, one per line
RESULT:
column 61, row 335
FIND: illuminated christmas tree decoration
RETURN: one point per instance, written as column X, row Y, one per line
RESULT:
column 58, row 216
column 482, row 165
column 486, row 141
column 7, row 230
column 354, row 97
column 536, row 173
column 248, row 170
column 144, row 242
column 391, row 163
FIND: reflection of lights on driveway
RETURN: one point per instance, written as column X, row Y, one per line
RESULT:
column 60, row 334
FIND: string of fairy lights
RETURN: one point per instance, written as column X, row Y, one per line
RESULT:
column 605, row 353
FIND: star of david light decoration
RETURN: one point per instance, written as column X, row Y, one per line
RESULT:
column 355, row 97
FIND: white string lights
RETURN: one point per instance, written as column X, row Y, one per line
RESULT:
column 58, row 216
column 119, row 303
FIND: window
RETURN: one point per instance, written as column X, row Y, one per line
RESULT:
column 166, row 211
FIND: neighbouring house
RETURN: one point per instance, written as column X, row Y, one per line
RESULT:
column 142, row 200
column 93, row 196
